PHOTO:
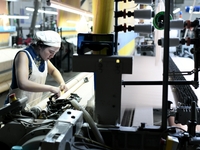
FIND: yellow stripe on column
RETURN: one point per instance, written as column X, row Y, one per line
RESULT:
column 128, row 49
column 103, row 12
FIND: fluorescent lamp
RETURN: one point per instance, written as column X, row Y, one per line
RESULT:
column 42, row 11
column 37, row 26
column 176, row 10
column 14, row 17
column 71, row 9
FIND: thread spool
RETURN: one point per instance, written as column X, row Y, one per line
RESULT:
column 172, row 42
column 143, row 1
column 144, row 28
column 176, row 24
column 143, row 14
column 158, row 20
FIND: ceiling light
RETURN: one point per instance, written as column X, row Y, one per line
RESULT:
column 71, row 9
column 14, row 17
column 37, row 26
column 42, row 11
column 176, row 10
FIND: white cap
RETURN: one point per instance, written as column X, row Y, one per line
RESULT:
column 49, row 37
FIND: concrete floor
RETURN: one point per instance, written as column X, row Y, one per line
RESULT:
column 66, row 75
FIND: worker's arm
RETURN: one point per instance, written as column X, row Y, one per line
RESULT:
column 55, row 73
column 22, row 74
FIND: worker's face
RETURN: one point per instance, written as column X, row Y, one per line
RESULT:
column 49, row 52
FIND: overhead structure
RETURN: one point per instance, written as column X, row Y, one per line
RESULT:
column 68, row 8
column 62, row 123
column 34, row 17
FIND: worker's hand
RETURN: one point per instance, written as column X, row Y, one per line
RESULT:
column 63, row 88
column 55, row 90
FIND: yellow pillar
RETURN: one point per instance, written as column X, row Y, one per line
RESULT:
column 103, row 12
column 64, row 16
column 4, row 37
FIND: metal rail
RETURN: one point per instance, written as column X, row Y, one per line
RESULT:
column 165, row 65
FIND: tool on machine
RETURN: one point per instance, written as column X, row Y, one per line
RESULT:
column 65, row 125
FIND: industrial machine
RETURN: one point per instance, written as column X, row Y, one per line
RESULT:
column 66, row 125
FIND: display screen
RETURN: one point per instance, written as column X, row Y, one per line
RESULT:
column 95, row 44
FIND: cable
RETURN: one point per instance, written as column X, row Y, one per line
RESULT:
column 92, row 141
column 88, row 132
column 74, row 145
column 90, row 121
column 95, row 147
column 23, row 122
column 172, row 128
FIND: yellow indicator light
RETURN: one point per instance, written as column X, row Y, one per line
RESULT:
column 117, row 61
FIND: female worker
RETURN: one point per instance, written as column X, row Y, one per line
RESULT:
column 30, row 68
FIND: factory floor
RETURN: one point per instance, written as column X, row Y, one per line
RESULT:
column 66, row 75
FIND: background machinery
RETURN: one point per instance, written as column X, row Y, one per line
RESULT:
column 65, row 125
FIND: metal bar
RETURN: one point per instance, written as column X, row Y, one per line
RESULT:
column 165, row 64
column 157, row 82
column 4, row 71
column 34, row 17
column 181, row 73
column 116, row 32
